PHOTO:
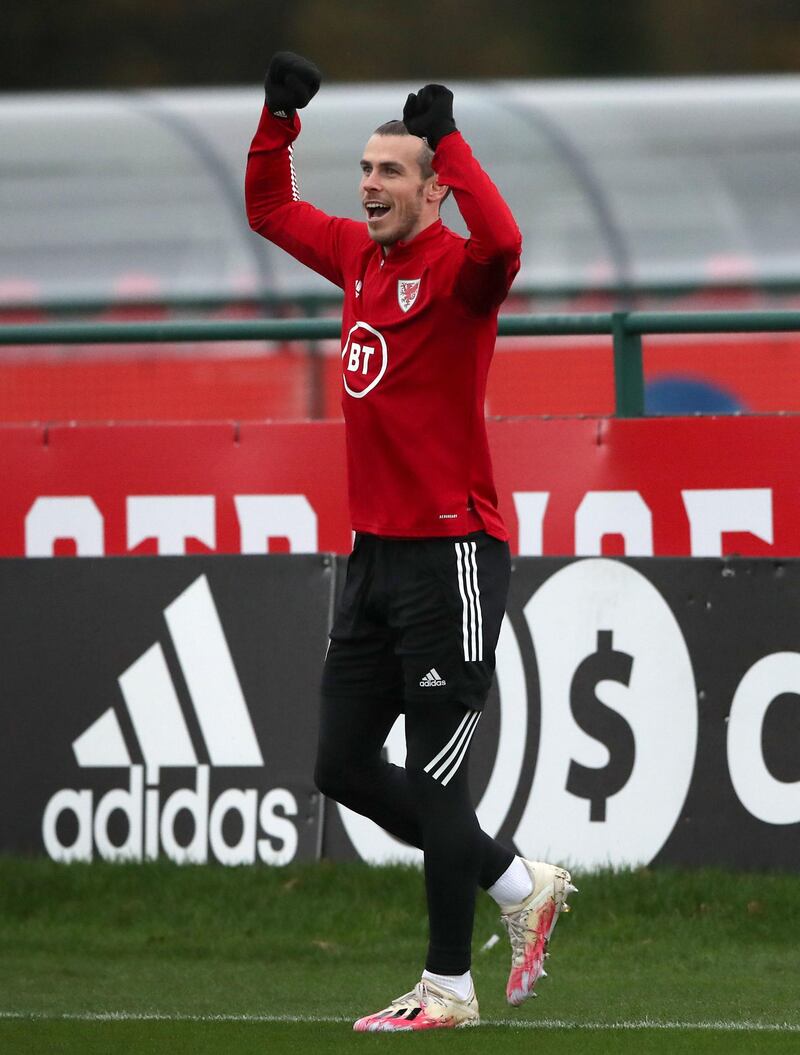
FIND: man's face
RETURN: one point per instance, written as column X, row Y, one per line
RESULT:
column 393, row 192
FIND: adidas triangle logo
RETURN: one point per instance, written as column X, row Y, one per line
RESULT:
column 432, row 680
column 185, row 823
column 154, row 708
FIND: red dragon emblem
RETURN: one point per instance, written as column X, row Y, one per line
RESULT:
column 407, row 290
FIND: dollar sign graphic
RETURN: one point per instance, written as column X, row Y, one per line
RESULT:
column 603, row 724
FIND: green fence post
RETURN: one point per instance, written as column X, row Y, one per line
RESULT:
column 628, row 373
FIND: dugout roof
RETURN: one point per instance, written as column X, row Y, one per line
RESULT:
column 612, row 183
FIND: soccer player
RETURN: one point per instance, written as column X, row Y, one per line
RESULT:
column 427, row 580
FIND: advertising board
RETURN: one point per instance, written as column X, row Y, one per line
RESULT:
column 644, row 711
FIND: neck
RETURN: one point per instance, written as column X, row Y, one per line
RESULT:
column 404, row 241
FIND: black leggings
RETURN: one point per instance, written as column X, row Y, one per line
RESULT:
column 429, row 809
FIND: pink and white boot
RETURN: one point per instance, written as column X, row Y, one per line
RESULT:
column 530, row 925
column 427, row 1006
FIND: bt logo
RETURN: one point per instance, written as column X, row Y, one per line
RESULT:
column 364, row 360
column 356, row 353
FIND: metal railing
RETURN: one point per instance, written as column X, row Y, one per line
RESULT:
column 626, row 297
column 625, row 328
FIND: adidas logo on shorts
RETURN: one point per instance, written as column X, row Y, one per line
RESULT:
column 432, row 680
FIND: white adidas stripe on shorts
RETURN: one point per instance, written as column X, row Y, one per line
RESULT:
column 472, row 618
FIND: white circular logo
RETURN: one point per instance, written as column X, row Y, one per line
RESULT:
column 364, row 359
column 618, row 718
column 618, row 732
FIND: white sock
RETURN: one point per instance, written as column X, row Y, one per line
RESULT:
column 459, row 984
column 514, row 885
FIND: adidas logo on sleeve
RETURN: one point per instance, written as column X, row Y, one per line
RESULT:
column 432, row 680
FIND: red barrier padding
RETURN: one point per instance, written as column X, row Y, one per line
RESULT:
column 673, row 486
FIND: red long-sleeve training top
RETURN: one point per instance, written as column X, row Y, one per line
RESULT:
column 418, row 332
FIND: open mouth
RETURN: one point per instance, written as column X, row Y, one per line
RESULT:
column 376, row 210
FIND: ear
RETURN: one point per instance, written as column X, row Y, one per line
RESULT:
column 437, row 191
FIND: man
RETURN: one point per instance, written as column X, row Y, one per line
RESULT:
column 426, row 585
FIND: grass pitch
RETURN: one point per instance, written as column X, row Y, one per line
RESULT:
column 156, row 958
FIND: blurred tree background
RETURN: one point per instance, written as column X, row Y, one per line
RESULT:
column 60, row 44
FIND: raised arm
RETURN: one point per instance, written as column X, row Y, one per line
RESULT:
column 274, row 208
column 492, row 255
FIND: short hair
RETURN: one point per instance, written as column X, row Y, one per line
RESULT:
column 397, row 128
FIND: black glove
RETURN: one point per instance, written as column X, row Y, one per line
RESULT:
column 291, row 83
column 429, row 113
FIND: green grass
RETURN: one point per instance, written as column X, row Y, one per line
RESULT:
column 333, row 941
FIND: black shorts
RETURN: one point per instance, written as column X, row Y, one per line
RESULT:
column 419, row 619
